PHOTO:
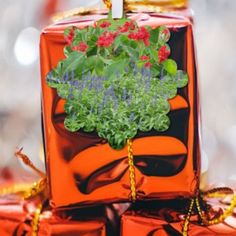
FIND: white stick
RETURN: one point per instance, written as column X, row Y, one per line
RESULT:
column 117, row 8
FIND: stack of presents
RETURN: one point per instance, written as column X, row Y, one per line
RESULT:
column 120, row 116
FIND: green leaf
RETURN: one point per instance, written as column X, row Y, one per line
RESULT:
column 170, row 66
column 154, row 35
column 162, row 123
column 73, row 62
column 116, row 68
column 67, row 51
column 99, row 66
column 181, row 79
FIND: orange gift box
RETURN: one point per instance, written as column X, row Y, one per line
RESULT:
column 12, row 214
column 16, row 218
column 84, row 170
column 166, row 222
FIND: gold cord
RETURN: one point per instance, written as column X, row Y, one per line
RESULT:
column 35, row 189
column 131, row 170
column 28, row 162
column 214, row 193
column 217, row 194
column 26, row 190
column 187, row 219
column 36, row 220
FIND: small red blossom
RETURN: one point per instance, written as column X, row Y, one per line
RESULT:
column 105, row 24
column 133, row 36
column 165, row 34
column 141, row 35
column 81, row 47
column 144, row 58
column 165, row 31
column 148, row 64
column 106, row 39
column 70, row 37
column 129, row 25
column 163, row 53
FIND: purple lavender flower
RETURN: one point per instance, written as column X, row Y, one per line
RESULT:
column 162, row 74
column 72, row 75
column 124, row 94
column 132, row 117
column 76, row 84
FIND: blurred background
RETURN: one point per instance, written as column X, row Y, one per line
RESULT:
column 20, row 116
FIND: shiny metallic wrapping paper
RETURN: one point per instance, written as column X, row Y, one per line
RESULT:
column 16, row 219
column 166, row 222
column 83, row 170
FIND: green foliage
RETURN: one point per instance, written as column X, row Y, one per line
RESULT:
column 113, row 89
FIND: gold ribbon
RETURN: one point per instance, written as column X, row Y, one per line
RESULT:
column 129, row 5
column 151, row 5
column 80, row 11
column 107, row 3
column 214, row 193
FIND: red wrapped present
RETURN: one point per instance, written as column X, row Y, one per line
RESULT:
column 11, row 216
column 153, row 164
column 169, row 222
column 23, row 218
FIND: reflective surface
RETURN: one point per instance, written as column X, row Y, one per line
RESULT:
column 156, row 5
column 88, row 169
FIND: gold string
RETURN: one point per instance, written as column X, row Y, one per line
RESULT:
column 35, row 189
column 36, row 220
column 187, row 219
column 26, row 190
column 28, row 162
column 228, row 212
column 131, row 170
column 214, row 193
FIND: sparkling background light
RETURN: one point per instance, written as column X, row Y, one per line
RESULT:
column 26, row 46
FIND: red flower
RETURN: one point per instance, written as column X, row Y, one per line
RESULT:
column 165, row 32
column 144, row 58
column 70, row 37
column 129, row 25
column 106, row 39
column 133, row 36
column 81, row 47
column 142, row 34
column 148, row 64
column 163, row 53
column 105, row 24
